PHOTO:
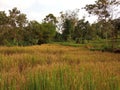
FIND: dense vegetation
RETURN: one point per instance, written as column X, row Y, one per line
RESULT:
column 56, row 67
column 15, row 29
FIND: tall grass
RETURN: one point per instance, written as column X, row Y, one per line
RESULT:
column 56, row 67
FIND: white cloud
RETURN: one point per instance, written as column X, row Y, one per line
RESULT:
column 38, row 9
column 22, row 4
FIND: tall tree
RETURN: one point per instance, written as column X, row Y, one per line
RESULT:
column 13, row 14
column 116, row 23
column 49, row 31
column 105, row 10
column 82, row 31
column 3, row 18
column 3, row 27
column 12, row 27
column 50, row 27
column 68, row 21
column 50, row 18
column 33, row 33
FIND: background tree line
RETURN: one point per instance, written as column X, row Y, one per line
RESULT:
column 15, row 29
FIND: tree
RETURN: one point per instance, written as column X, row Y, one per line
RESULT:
column 37, row 33
column 49, row 32
column 68, row 21
column 33, row 33
column 3, row 27
column 105, row 10
column 16, row 30
column 82, row 31
column 17, row 22
column 12, row 27
column 13, row 14
column 68, row 30
column 21, row 20
column 3, row 18
column 116, row 23
column 101, row 30
column 50, row 18
column 50, row 25
column 58, row 37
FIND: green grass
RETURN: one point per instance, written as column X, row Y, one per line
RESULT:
column 72, row 44
column 94, row 45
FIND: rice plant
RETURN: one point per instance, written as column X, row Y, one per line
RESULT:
column 57, row 67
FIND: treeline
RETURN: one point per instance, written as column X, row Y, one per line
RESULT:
column 16, row 29
column 81, row 31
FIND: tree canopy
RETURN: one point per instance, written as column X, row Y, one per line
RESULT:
column 16, row 29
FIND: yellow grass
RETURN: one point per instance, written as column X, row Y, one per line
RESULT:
column 18, row 64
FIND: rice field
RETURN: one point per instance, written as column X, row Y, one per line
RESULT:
column 57, row 67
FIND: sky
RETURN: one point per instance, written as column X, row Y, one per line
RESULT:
column 38, row 9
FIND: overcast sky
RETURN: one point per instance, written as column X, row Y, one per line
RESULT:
column 38, row 9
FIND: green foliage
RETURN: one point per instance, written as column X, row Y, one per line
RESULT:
column 49, row 31
column 105, row 10
column 82, row 31
column 116, row 24
column 58, row 37
column 68, row 30
column 39, row 33
column 68, row 21
column 3, row 18
column 72, row 44
column 16, row 30
column 101, row 45
column 50, row 18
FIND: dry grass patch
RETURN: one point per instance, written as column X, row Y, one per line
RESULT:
column 57, row 67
